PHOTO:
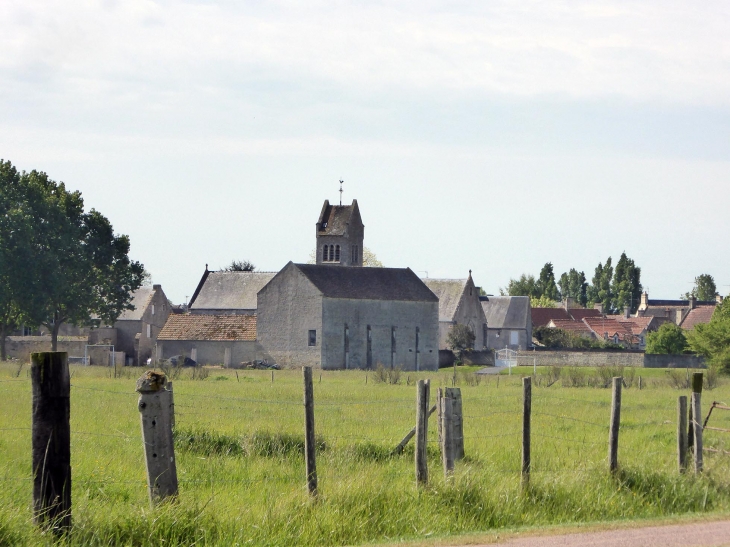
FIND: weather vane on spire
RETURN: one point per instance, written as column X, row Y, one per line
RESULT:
column 341, row 181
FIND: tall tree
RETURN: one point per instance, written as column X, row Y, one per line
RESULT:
column 713, row 339
column 546, row 282
column 524, row 286
column 626, row 286
column 668, row 339
column 79, row 270
column 704, row 289
column 573, row 285
column 600, row 288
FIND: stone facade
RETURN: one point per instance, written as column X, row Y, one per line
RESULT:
column 348, row 318
column 137, row 329
column 509, row 322
column 340, row 235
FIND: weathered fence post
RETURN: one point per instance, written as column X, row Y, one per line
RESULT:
column 454, row 393
column 439, row 414
column 309, row 438
column 51, row 444
column 447, row 434
column 526, row 414
column 155, row 406
column 639, row 383
column 697, row 419
column 171, row 396
column 615, row 424
column 682, row 433
column 422, row 395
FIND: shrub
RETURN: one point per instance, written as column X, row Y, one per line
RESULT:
column 387, row 375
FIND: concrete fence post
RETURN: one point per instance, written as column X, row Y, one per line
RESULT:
column 155, row 408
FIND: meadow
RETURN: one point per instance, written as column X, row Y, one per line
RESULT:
column 240, row 466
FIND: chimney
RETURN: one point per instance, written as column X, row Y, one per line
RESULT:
column 568, row 303
column 598, row 306
column 644, row 301
column 156, row 287
column 692, row 302
column 718, row 299
column 678, row 320
column 627, row 312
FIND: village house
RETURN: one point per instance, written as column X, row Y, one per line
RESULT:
column 676, row 311
column 459, row 305
column 509, row 322
column 228, row 293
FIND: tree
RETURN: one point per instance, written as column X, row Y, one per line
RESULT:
column 600, row 288
column 712, row 340
column 77, row 270
column 573, row 285
column 626, row 286
column 542, row 302
column 240, row 266
column 524, row 286
column 460, row 338
column 704, row 289
column 546, row 283
column 369, row 260
column 669, row 339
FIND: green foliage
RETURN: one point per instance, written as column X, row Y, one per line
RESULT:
column 600, row 288
column 704, row 288
column 542, row 302
column 626, row 286
column 61, row 264
column 712, row 340
column 369, row 259
column 546, row 283
column 524, row 286
column 573, row 285
column 668, row 339
column 555, row 338
column 460, row 338
column 240, row 266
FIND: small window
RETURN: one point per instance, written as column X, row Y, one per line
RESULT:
column 312, row 337
column 332, row 253
column 153, row 309
column 337, row 253
column 149, row 331
column 325, row 254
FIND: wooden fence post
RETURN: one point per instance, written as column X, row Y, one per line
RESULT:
column 439, row 414
column 454, row 393
column 697, row 419
column 309, row 438
column 51, row 440
column 421, row 459
column 682, row 433
column 526, row 414
column 615, row 424
column 447, row 433
column 159, row 449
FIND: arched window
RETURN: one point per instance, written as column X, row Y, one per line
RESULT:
column 332, row 253
column 337, row 253
column 325, row 254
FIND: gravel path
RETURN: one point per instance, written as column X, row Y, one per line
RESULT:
column 700, row 534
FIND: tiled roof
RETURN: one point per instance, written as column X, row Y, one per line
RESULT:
column 570, row 325
column 542, row 316
column 579, row 313
column 506, row 312
column 637, row 325
column 140, row 299
column 449, row 293
column 367, row 283
column 701, row 314
column 230, row 290
column 209, row 327
column 601, row 325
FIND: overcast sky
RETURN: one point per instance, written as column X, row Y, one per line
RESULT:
column 492, row 136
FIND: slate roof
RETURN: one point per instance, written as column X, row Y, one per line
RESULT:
column 333, row 219
column 209, row 327
column 230, row 290
column 367, row 283
column 542, row 316
column 506, row 312
column 140, row 299
column 449, row 293
column 701, row 314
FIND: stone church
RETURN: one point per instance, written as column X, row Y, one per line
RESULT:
column 335, row 314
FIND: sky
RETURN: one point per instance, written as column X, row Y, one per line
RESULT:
column 485, row 136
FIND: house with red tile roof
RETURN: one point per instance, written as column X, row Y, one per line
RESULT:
column 699, row 314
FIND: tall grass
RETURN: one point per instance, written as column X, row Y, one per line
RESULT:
column 241, row 469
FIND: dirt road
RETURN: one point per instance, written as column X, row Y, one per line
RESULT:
column 700, row 534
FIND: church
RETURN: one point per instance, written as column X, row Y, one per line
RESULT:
column 335, row 314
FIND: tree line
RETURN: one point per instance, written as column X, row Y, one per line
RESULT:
column 615, row 287
column 58, row 263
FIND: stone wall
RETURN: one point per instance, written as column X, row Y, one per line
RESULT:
column 603, row 358
column 20, row 347
column 214, row 352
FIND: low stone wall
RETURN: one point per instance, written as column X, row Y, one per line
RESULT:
column 607, row 358
column 20, row 347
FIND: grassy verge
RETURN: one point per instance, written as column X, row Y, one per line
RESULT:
column 241, row 471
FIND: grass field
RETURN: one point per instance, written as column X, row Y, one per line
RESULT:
column 241, row 470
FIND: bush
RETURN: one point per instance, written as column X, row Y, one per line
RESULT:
column 573, row 377
column 387, row 375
